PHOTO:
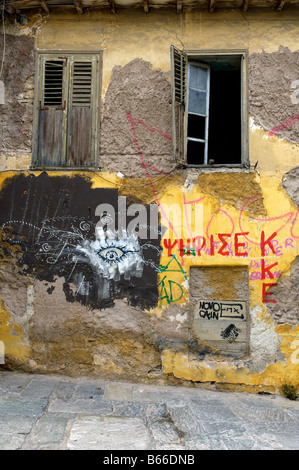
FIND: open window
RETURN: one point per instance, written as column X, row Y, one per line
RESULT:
column 209, row 107
column 67, row 106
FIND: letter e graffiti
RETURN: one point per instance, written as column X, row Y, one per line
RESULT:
column 265, row 293
column 295, row 354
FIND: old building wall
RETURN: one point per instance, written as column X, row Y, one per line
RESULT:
column 222, row 235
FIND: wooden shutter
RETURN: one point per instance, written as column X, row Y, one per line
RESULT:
column 82, row 112
column 179, row 92
column 67, row 107
column 51, row 110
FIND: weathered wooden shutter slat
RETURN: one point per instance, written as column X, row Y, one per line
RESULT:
column 50, row 141
column 80, row 122
column 178, row 83
column 53, row 83
column 51, row 114
column 80, row 125
column 82, row 82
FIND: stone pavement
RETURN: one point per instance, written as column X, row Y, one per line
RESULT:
column 39, row 412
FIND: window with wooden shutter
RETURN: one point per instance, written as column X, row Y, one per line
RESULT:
column 210, row 107
column 66, row 124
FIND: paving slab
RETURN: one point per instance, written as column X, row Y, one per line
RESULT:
column 109, row 433
column 39, row 412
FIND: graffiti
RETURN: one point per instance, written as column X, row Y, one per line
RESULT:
column 230, row 333
column 268, row 245
column 222, row 324
column 198, row 245
column 288, row 123
column 112, row 249
column 63, row 231
column 292, row 120
column 167, row 291
column 241, row 244
column 222, row 247
column 288, row 218
column 168, row 287
column 111, row 255
column 257, row 275
column 217, row 310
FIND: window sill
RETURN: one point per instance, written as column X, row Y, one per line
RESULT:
column 219, row 168
column 64, row 168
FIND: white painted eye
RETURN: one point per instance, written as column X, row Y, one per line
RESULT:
column 111, row 254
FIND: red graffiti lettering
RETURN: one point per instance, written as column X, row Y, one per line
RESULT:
column 266, row 270
column 267, row 242
column 225, row 244
column 237, row 244
column 199, row 243
column 169, row 245
column 265, row 293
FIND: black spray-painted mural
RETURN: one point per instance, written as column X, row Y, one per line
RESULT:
column 64, row 231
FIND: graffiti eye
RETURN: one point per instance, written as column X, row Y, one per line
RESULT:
column 111, row 254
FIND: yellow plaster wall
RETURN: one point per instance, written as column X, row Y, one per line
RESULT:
column 128, row 35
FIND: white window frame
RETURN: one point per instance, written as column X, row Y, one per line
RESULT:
column 189, row 56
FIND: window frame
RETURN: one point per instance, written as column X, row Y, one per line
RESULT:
column 41, row 57
column 191, row 55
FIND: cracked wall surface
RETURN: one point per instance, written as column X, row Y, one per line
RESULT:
column 18, row 77
column 75, row 300
column 273, row 91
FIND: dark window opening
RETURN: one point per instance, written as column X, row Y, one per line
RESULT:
column 222, row 143
column 225, row 117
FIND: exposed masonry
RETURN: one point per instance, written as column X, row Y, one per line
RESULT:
column 290, row 183
column 270, row 79
column 286, row 310
column 145, row 94
column 18, row 77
